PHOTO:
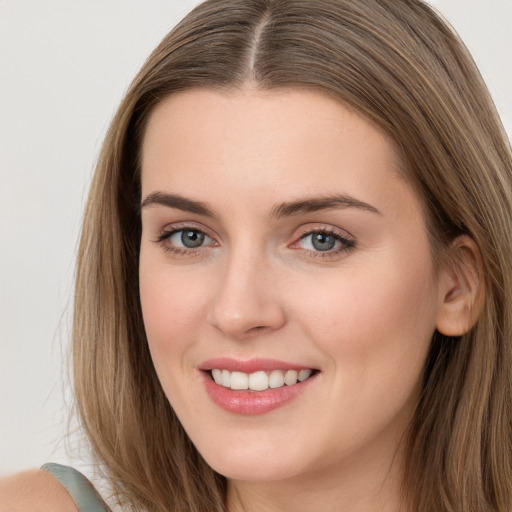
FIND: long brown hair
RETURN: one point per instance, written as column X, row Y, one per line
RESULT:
column 399, row 65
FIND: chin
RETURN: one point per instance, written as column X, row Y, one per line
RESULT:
column 252, row 471
column 252, row 463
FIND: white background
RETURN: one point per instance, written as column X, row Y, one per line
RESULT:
column 64, row 66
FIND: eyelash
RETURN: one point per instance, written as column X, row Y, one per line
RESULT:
column 345, row 244
column 164, row 237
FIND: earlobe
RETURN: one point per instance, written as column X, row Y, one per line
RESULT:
column 461, row 288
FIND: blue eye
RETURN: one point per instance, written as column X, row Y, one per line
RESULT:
column 324, row 242
column 320, row 241
column 188, row 238
column 183, row 241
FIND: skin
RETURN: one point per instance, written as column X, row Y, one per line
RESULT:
column 364, row 316
column 35, row 490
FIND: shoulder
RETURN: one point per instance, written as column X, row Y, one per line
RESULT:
column 35, row 491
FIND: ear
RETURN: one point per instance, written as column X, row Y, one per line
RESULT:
column 461, row 289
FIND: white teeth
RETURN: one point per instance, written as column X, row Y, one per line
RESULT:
column 217, row 376
column 304, row 374
column 259, row 381
column 290, row 377
column 276, row 379
column 226, row 378
column 239, row 380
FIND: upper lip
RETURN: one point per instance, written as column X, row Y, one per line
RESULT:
column 250, row 365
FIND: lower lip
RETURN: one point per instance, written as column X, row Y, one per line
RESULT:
column 255, row 402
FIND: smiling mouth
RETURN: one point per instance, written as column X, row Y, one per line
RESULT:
column 260, row 380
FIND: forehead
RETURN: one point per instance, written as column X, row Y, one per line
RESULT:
column 267, row 143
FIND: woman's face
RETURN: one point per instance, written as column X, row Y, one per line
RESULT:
column 281, row 243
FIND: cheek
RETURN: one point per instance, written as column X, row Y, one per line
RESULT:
column 375, row 331
column 172, row 303
column 172, row 308
column 377, row 319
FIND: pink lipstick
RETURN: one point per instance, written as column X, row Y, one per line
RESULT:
column 256, row 386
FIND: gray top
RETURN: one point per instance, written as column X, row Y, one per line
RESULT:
column 79, row 488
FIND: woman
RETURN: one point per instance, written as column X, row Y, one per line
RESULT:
column 294, row 279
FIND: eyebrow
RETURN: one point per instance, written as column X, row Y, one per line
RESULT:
column 286, row 209
column 178, row 202
column 304, row 206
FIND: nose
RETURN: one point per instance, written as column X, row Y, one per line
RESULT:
column 247, row 300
